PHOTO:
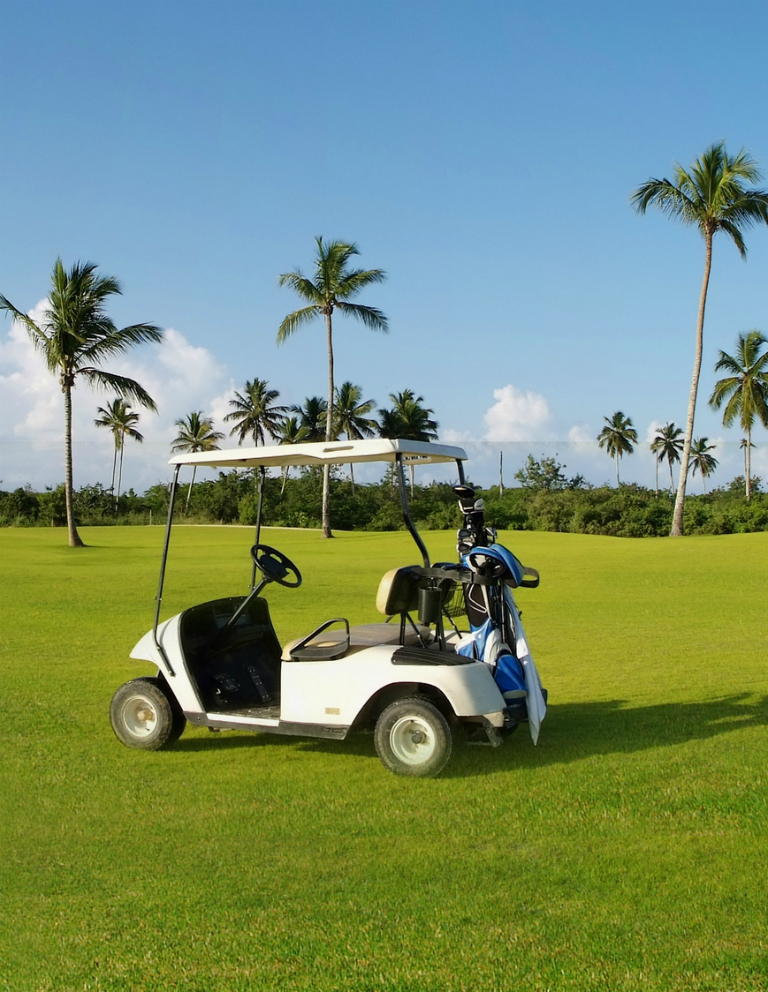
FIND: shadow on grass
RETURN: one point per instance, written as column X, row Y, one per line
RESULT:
column 571, row 732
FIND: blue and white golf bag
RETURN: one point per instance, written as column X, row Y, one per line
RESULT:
column 496, row 632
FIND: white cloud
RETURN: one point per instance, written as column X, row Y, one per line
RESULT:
column 581, row 434
column 653, row 428
column 451, row 436
column 518, row 416
column 179, row 376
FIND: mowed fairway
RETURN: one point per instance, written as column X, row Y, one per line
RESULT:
column 627, row 851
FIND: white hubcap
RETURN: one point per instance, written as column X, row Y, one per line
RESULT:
column 140, row 716
column 412, row 740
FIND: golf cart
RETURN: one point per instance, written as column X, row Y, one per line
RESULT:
column 450, row 660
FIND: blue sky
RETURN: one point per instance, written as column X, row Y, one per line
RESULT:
column 482, row 154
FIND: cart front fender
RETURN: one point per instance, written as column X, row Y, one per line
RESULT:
column 176, row 676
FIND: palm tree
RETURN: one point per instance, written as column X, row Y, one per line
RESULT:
column 255, row 412
column 702, row 460
column 350, row 412
column 74, row 337
column 334, row 285
column 744, row 391
column 196, row 433
column 290, row 431
column 711, row 195
column 121, row 420
column 618, row 437
column 409, row 420
column 667, row 444
column 312, row 418
column 746, row 447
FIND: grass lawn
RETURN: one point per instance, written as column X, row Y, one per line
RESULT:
column 627, row 851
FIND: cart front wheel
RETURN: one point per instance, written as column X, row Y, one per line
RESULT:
column 413, row 737
column 144, row 717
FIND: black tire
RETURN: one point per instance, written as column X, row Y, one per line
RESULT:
column 144, row 717
column 412, row 737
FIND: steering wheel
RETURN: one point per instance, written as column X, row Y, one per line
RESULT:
column 275, row 566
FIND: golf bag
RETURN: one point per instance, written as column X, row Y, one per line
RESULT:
column 496, row 633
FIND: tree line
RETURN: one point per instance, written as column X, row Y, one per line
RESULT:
column 546, row 499
column 716, row 195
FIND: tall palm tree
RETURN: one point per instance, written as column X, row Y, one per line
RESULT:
column 74, row 337
column 312, row 418
column 196, row 433
column 744, row 391
column 121, row 420
column 712, row 196
column 255, row 412
column 618, row 437
column 351, row 411
column 290, row 431
column 746, row 447
column 409, row 420
column 333, row 287
column 702, row 460
column 667, row 444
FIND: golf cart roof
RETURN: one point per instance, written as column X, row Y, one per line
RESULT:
column 325, row 452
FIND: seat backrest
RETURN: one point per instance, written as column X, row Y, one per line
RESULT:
column 398, row 592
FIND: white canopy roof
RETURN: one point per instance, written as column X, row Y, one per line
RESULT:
column 324, row 452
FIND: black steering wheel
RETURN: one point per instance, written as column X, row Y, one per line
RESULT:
column 275, row 566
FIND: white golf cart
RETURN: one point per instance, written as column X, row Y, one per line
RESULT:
column 417, row 679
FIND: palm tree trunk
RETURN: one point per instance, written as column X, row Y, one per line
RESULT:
column 119, row 475
column 74, row 538
column 671, row 478
column 657, row 475
column 352, row 476
column 326, row 521
column 677, row 518
column 285, row 478
column 618, row 483
column 114, row 466
column 748, row 463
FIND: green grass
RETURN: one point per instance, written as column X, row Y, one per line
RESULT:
column 626, row 851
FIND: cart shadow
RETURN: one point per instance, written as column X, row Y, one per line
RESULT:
column 576, row 731
column 571, row 732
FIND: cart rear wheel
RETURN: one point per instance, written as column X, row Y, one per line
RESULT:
column 143, row 716
column 413, row 737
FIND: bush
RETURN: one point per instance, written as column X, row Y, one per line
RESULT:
column 629, row 511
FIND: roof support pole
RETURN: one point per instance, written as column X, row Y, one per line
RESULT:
column 262, row 476
column 406, row 513
column 159, row 597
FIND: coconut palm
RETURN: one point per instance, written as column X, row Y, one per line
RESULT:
column 618, row 437
column 333, row 287
column 290, row 431
column 350, row 412
column 711, row 195
column 746, row 447
column 667, row 444
column 702, row 460
column 409, row 420
column 196, row 433
column 744, row 391
column 121, row 420
column 255, row 412
column 74, row 337
column 312, row 418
